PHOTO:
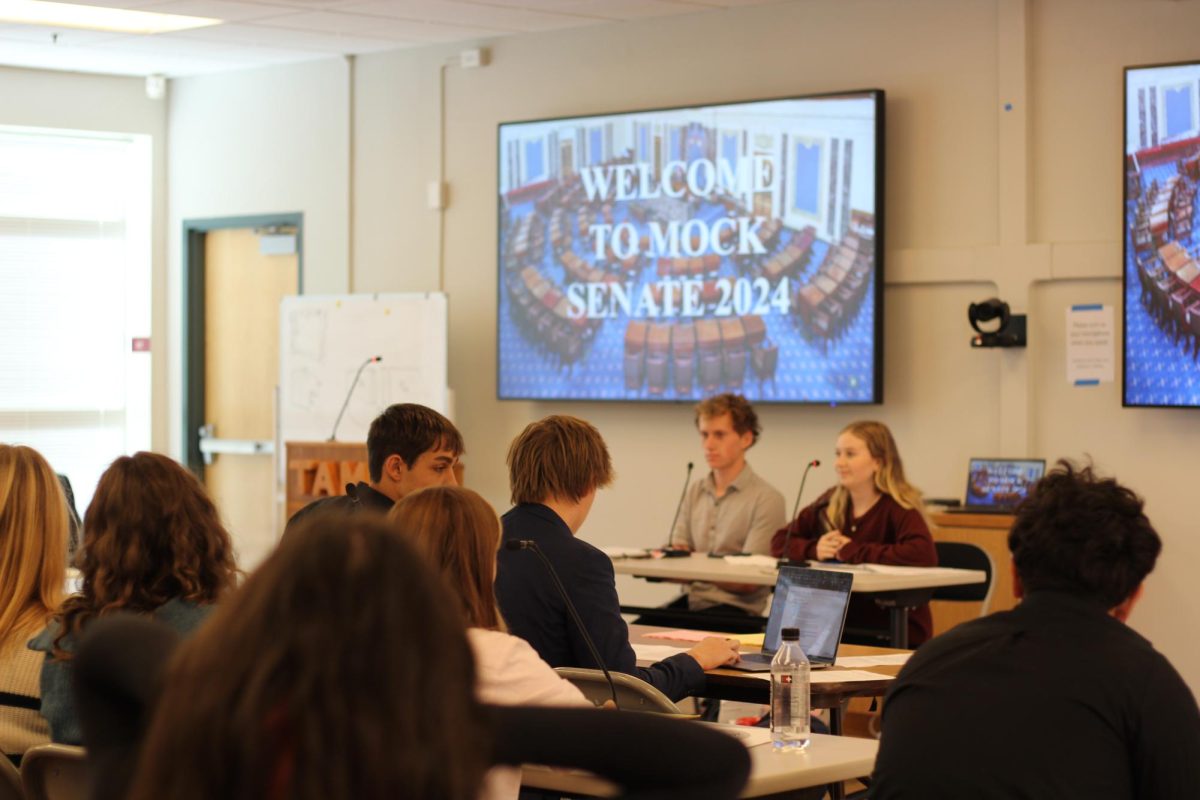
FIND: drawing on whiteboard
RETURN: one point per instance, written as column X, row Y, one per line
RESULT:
column 303, row 388
column 307, row 333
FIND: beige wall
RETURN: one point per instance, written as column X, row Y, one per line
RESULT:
column 979, row 200
column 104, row 103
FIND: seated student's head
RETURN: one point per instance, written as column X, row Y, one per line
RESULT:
column 1085, row 535
column 410, row 447
column 33, row 542
column 458, row 532
column 728, row 428
column 339, row 669
column 151, row 535
column 559, row 461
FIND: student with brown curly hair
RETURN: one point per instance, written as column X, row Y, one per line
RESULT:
column 33, row 543
column 153, row 543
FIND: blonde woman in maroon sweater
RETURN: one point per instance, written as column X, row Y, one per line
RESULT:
column 873, row 515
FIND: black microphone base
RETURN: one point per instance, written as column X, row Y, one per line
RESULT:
column 675, row 552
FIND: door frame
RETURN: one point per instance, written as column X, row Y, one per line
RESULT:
column 195, row 233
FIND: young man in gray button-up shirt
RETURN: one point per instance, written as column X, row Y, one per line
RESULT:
column 731, row 509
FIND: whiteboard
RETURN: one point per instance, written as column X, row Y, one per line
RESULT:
column 325, row 339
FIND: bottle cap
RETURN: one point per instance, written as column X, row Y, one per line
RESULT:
column 791, row 634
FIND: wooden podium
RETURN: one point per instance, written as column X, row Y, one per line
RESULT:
column 322, row 469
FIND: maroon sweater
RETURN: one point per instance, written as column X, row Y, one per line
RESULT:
column 886, row 534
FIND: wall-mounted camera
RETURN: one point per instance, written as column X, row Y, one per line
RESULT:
column 1009, row 330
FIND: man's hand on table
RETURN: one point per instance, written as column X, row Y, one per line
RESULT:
column 714, row 652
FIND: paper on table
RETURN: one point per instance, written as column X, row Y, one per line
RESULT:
column 893, row 569
column 752, row 561
column 748, row 735
column 655, row 652
column 680, row 635
column 749, row 639
column 890, row 660
column 836, row 676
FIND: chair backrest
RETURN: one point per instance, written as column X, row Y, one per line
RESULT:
column 964, row 555
column 633, row 694
column 10, row 780
column 55, row 772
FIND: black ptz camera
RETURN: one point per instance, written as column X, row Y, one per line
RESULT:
column 1009, row 330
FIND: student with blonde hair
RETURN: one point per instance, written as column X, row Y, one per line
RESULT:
column 555, row 468
column 458, row 533
column 873, row 515
column 33, row 546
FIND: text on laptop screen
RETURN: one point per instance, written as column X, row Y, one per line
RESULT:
column 1001, row 482
column 815, row 602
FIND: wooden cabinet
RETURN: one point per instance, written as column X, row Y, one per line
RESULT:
column 989, row 531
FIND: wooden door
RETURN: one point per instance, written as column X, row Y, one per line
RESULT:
column 243, row 288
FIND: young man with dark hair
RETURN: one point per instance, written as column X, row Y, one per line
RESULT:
column 1058, row 697
column 729, row 510
column 555, row 467
column 409, row 447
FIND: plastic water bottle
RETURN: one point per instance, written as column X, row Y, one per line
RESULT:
column 791, row 724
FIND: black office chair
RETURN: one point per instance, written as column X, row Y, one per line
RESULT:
column 964, row 555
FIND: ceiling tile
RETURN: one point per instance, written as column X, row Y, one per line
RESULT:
column 380, row 27
column 220, row 9
column 469, row 14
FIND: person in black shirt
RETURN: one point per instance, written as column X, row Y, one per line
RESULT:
column 555, row 467
column 409, row 447
column 1057, row 698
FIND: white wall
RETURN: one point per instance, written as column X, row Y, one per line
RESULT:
column 103, row 103
column 265, row 141
column 1025, row 202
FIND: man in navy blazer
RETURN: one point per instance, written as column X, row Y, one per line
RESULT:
column 555, row 468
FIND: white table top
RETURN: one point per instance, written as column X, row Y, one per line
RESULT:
column 867, row 577
column 827, row 759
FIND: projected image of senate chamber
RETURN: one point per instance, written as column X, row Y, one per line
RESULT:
column 669, row 255
column 1162, row 250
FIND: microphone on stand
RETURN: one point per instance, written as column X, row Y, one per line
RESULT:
column 786, row 559
column 349, row 394
column 532, row 546
column 667, row 550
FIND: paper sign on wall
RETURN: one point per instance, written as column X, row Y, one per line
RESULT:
column 1090, row 344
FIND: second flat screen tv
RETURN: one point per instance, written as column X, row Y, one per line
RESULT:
column 672, row 254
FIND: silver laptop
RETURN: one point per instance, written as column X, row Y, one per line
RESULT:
column 998, row 485
column 813, row 600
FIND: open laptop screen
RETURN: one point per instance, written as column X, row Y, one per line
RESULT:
column 815, row 601
column 1001, row 482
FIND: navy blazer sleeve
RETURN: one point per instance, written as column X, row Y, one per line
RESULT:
column 594, row 592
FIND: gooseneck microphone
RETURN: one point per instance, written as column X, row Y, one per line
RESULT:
column 349, row 394
column 532, row 546
column 786, row 557
column 667, row 549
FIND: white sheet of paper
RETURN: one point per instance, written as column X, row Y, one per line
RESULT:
column 836, row 676
column 895, row 569
column 656, row 652
column 892, row 660
column 748, row 735
column 752, row 561
column 1090, row 337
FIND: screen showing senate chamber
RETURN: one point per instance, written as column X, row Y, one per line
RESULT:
column 1162, row 250
column 666, row 255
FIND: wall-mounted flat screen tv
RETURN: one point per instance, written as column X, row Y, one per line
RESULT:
column 672, row 254
column 1162, row 247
